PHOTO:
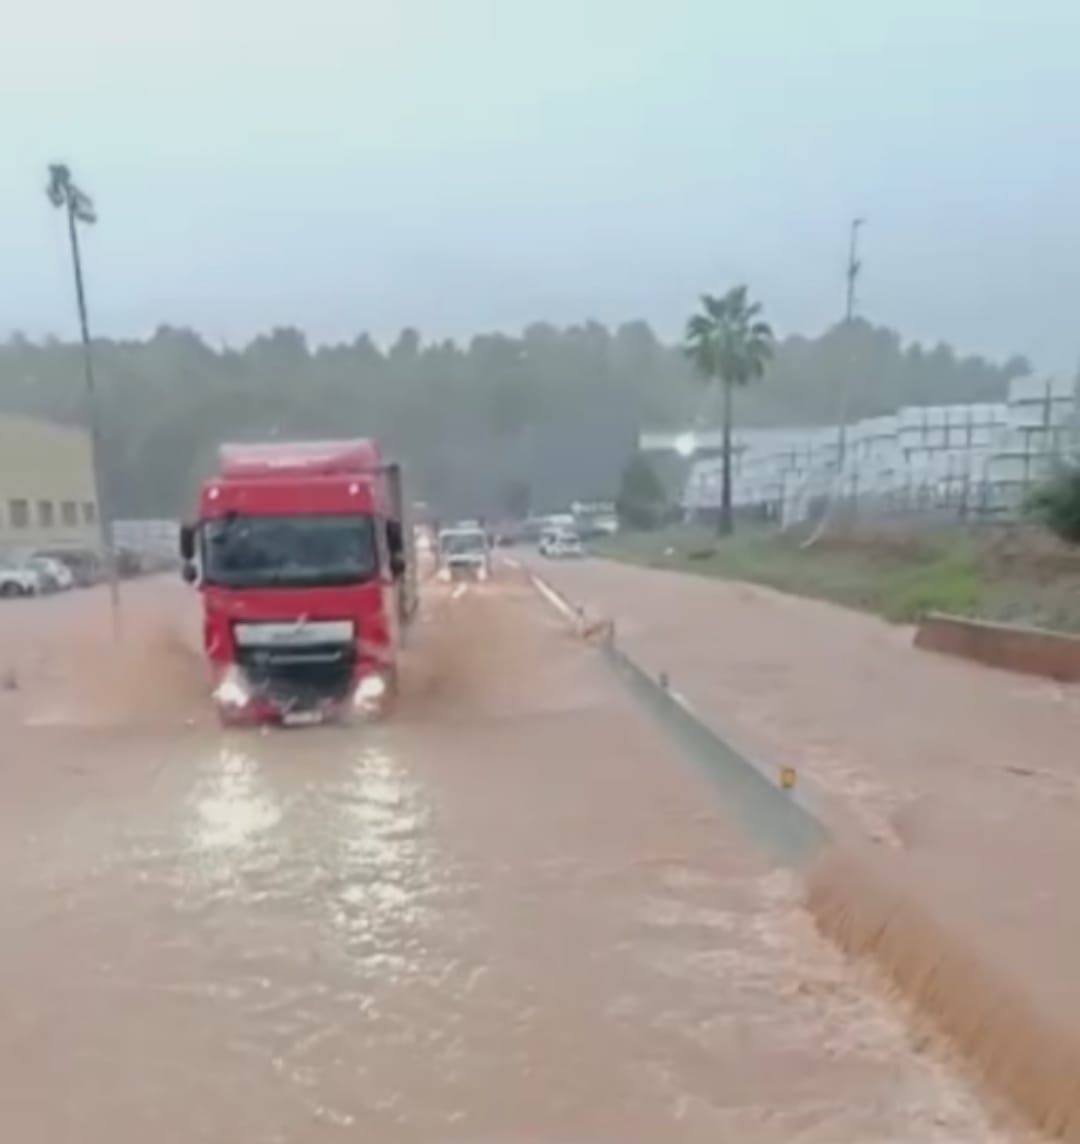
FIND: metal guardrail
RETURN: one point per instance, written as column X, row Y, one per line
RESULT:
column 773, row 815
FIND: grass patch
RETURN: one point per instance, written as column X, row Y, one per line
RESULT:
column 899, row 577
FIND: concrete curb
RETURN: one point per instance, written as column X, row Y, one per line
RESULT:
column 1029, row 651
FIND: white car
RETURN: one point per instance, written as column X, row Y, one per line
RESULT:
column 561, row 546
column 19, row 580
column 55, row 574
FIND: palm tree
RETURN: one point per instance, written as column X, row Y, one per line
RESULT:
column 729, row 342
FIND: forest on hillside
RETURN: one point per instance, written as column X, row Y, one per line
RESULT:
column 539, row 417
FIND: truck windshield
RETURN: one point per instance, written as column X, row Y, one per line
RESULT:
column 289, row 551
column 462, row 543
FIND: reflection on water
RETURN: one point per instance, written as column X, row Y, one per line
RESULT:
column 347, row 839
column 384, row 866
column 309, row 888
column 235, row 806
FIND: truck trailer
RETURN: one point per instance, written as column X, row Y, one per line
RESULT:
column 303, row 556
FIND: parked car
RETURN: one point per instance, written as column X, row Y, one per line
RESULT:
column 18, row 579
column 85, row 565
column 55, row 575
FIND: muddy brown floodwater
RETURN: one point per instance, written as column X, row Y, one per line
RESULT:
column 510, row 914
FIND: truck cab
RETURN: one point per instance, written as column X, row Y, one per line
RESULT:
column 303, row 559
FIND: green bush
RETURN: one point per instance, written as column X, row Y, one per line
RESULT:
column 1056, row 503
column 642, row 503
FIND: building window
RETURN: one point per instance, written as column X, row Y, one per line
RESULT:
column 19, row 513
column 46, row 513
column 69, row 513
column 89, row 512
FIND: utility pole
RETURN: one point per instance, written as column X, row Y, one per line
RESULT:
column 854, row 268
column 854, row 265
column 64, row 194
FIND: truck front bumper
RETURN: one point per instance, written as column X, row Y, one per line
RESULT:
column 244, row 701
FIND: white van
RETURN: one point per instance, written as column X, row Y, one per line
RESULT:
column 464, row 554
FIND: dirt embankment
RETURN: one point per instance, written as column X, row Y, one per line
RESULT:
column 1011, row 1010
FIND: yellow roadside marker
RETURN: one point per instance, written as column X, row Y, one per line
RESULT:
column 787, row 778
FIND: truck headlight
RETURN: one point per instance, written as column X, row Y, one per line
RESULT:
column 370, row 691
column 232, row 691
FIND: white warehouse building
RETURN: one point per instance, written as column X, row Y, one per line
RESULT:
column 978, row 458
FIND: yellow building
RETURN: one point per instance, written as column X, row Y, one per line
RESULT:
column 46, row 486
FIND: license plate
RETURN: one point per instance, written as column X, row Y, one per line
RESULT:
column 301, row 718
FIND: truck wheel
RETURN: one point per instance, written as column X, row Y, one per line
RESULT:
column 8, row 591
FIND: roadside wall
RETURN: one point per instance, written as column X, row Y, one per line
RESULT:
column 1032, row 651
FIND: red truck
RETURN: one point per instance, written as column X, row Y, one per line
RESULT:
column 303, row 555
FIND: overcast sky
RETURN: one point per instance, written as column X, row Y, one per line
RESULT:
column 462, row 165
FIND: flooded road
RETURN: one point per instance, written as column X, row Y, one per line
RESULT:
column 511, row 914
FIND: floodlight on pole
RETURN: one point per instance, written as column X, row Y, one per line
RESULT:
column 686, row 444
column 66, row 195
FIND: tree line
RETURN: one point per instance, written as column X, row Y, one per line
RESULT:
column 495, row 425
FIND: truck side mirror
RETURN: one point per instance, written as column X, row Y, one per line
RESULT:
column 189, row 573
column 187, row 542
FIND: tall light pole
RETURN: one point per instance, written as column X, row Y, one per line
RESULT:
column 854, row 268
column 65, row 194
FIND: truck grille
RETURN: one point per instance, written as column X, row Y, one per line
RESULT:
column 299, row 677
